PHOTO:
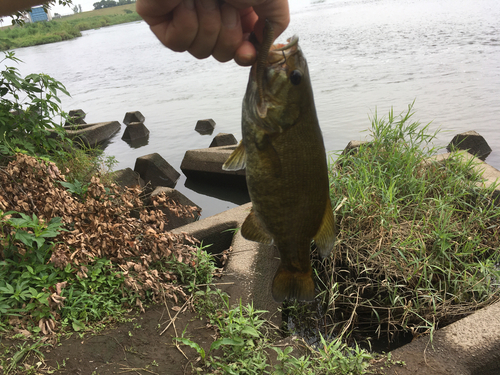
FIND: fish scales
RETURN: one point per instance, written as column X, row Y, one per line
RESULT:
column 286, row 169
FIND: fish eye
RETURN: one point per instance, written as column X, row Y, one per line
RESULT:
column 295, row 77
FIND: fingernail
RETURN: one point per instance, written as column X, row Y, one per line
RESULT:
column 189, row 4
column 209, row 4
column 230, row 16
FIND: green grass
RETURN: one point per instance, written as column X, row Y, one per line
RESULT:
column 245, row 345
column 418, row 239
column 64, row 28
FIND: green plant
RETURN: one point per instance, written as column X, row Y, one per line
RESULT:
column 200, row 272
column 76, row 187
column 417, row 240
column 245, row 340
column 23, row 350
column 27, row 108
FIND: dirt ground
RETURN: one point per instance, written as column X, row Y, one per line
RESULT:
column 136, row 347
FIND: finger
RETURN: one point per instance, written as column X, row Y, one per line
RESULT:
column 245, row 54
column 277, row 12
column 179, row 28
column 209, row 24
column 155, row 12
column 230, row 34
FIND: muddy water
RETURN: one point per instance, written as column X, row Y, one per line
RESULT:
column 364, row 56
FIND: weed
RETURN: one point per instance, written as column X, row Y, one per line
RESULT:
column 418, row 238
column 245, row 342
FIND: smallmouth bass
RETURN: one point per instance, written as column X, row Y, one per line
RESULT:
column 286, row 168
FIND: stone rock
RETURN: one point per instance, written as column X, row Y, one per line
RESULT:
column 205, row 127
column 223, row 139
column 131, row 117
column 206, row 165
column 77, row 117
column 135, row 131
column 472, row 142
column 156, row 171
column 128, row 178
column 93, row 134
column 173, row 220
column 353, row 147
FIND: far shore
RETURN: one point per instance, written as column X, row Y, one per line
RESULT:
column 65, row 27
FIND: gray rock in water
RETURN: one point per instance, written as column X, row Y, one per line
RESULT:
column 223, row 139
column 131, row 117
column 206, row 165
column 156, row 171
column 472, row 142
column 76, row 117
column 128, row 178
column 135, row 131
column 173, row 220
column 205, row 127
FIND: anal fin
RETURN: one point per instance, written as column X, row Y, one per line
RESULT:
column 325, row 238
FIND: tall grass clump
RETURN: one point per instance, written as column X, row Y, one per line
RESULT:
column 418, row 238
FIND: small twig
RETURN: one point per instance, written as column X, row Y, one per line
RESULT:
column 175, row 329
column 137, row 369
column 175, row 316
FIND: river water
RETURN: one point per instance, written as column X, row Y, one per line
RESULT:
column 364, row 56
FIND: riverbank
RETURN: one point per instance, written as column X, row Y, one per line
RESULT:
column 65, row 28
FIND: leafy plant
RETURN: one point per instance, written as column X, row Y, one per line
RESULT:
column 27, row 108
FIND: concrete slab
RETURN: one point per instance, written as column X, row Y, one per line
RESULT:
column 206, row 165
column 251, row 266
column 93, row 134
column 470, row 346
column 490, row 174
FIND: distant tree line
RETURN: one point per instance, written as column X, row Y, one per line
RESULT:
column 111, row 3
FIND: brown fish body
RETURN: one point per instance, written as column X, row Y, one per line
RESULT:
column 286, row 170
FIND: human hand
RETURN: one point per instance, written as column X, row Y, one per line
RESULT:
column 212, row 27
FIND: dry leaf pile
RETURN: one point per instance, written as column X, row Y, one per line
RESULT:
column 107, row 222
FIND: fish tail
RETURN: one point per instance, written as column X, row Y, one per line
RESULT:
column 293, row 285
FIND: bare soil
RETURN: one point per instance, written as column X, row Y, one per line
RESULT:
column 135, row 347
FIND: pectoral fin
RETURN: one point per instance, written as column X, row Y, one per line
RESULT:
column 237, row 160
column 253, row 230
column 325, row 238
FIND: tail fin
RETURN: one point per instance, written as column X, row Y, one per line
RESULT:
column 293, row 285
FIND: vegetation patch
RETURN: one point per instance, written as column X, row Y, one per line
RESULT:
column 63, row 28
column 418, row 239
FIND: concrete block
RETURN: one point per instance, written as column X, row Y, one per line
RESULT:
column 470, row 346
column 93, row 134
column 472, row 142
column 128, row 178
column 250, row 267
column 135, row 131
column 490, row 174
column 76, row 116
column 223, row 139
column 173, row 221
column 206, row 165
column 156, row 171
column 131, row 117
column 205, row 127
column 353, row 147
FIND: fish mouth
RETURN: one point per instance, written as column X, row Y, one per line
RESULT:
column 271, row 55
